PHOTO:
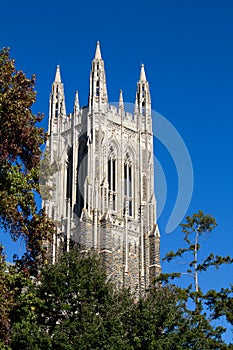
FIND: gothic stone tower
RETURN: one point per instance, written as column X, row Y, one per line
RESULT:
column 103, row 196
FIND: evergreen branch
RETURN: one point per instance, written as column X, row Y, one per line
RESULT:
column 215, row 261
column 171, row 255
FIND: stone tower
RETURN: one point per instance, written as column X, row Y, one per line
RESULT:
column 103, row 194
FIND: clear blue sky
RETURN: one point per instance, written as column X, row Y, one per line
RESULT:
column 187, row 49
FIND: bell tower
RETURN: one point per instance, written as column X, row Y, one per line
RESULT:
column 103, row 197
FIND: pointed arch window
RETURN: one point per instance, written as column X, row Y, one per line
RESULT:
column 143, row 91
column 112, row 180
column 81, row 176
column 128, row 188
column 143, row 108
column 56, row 110
column 69, row 176
column 97, row 88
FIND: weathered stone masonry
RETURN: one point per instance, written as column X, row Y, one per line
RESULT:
column 103, row 196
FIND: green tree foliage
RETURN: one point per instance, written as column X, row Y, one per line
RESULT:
column 212, row 303
column 79, row 304
column 196, row 226
column 6, row 302
column 20, row 153
column 220, row 303
column 18, row 304
column 74, row 307
column 71, row 305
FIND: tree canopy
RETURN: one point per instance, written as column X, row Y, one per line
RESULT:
column 20, row 153
column 72, row 305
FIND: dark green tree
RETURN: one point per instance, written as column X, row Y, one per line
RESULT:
column 74, row 307
column 220, row 303
column 18, row 303
column 79, row 305
column 70, row 307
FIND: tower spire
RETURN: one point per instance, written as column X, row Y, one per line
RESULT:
column 97, row 52
column 57, row 75
column 142, row 73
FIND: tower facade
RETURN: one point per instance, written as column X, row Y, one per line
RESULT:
column 103, row 192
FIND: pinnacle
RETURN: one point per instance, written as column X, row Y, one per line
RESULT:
column 58, row 75
column 121, row 103
column 121, row 96
column 97, row 52
column 142, row 73
column 76, row 102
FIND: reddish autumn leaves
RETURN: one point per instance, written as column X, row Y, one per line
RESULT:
column 20, row 153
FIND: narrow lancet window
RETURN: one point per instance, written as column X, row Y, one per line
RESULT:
column 125, row 180
column 130, row 182
column 112, row 188
column 69, row 176
column 143, row 108
column 56, row 110
column 81, row 176
column 128, row 189
column 114, row 175
column 97, row 88
column 143, row 91
column 109, row 173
